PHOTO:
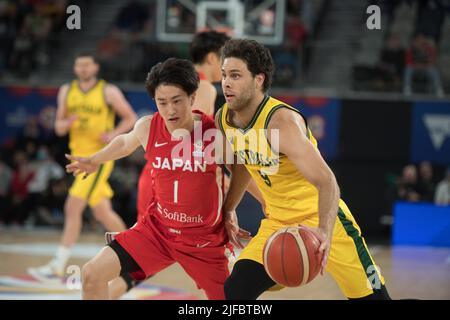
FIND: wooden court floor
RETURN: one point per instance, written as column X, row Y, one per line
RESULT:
column 410, row 272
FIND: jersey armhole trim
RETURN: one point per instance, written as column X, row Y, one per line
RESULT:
column 269, row 116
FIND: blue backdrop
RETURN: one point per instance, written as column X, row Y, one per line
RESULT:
column 421, row 224
column 430, row 136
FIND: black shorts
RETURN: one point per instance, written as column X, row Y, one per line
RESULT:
column 127, row 263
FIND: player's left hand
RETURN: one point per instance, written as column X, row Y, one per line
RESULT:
column 325, row 245
column 234, row 232
column 80, row 165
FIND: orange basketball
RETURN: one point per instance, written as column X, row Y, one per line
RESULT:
column 291, row 256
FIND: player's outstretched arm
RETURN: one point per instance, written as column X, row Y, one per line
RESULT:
column 240, row 179
column 294, row 143
column 121, row 146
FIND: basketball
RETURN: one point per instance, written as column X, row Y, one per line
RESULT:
column 291, row 256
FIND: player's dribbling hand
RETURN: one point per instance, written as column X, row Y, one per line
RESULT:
column 80, row 165
column 325, row 245
column 234, row 232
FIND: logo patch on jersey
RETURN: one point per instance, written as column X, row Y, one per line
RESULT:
column 179, row 216
column 198, row 149
column 157, row 145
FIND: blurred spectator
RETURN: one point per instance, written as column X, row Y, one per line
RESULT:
column 132, row 17
column 30, row 137
column 442, row 194
column 392, row 61
column 421, row 58
column 407, row 188
column 7, row 32
column 38, row 24
column 109, row 51
column 5, row 183
column 56, row 196
column 287, row 57
column 56, row 10
column 22, row 177
column 45, row 170
column 30, row 132
column 430, row 18
column 426, row 184
column 266, row 24
column 22, row 57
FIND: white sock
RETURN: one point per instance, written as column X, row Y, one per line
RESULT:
column 62, row 256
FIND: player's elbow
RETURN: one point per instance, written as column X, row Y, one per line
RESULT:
column 60, row 131
column 133, row 118
column 326, row 180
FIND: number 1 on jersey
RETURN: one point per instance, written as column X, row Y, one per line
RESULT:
column 175, row 191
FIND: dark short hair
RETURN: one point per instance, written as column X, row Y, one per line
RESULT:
column 256, row 56
column 206, row 42
column 84, row 54
column 173, row 71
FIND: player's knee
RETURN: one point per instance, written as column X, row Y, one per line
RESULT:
column 90, row 276
column 100, row 214
column 73, row 207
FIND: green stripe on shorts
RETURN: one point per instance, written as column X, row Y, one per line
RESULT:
column 97, row 176
column 363, row 253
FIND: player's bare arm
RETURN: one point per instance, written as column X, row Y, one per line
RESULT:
column 294, row 143
column 205, row 98
column 116, row 99
column 121, row 146
column 240, row 178
column 63, row 122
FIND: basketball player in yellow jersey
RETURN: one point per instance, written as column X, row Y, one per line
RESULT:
column 86, row 111
column 295, row 183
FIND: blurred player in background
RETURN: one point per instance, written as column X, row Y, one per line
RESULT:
column 184, row 222
column 86, row 111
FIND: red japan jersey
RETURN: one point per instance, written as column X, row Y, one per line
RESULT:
column 188, row 190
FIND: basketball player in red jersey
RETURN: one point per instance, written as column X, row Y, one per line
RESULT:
column 205, row 54
column 179, row 226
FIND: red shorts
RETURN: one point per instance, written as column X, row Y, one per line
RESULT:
column 154, row 248
column 145, row 191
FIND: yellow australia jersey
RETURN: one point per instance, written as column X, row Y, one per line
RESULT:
column 95, row 118
column 289, row 197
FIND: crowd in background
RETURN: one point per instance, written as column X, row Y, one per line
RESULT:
column 28, row 32
column 409, row 65
column 419, row 183
column 34, row 184
column 133, row 35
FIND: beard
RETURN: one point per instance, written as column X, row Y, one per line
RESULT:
column 243, row 101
